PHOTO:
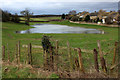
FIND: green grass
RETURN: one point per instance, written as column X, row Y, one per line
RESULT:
column 42, row 18
column 84, row 41
column 88, row 41
column 53, row 76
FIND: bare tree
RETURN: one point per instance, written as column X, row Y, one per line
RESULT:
column 15, row 18
column 101, row 13
column 109, row 20
column 84, row 13
column 73, row 12
column 27, row 14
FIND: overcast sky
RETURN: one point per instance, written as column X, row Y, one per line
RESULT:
column 57, row 6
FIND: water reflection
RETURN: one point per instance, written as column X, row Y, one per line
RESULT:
column 52, row 28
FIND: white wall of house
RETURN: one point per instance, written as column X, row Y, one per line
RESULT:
column 114, row 20
column 103, row 21
column 81, row 16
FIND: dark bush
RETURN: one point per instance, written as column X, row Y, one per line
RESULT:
column 97, row 20
column 63, row 16
column 87, row 18
column 15, row 18
column 80, row 19
column 5, row 16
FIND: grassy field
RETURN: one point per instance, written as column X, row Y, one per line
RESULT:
column 42, row 18
column 84, row 41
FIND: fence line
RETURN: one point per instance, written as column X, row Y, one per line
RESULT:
column 53, row 56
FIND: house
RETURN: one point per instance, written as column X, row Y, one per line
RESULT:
column 103, row 19
column 97, row 17
column 94, row 15
column 83, row 14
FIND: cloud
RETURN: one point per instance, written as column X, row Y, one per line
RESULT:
column 55, row 6
column 59, row 1
column 28, row 3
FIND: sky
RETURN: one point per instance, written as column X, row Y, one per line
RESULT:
column 57, row 6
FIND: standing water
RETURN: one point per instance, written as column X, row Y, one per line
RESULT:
column 53, row 28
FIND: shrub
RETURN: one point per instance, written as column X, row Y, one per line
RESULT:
column 80, row 19
column 108, row 20
column 97, row 20
column 15, row 18
column 75, row 18
column 63, row 16
column 87, row 18
column 5, row 16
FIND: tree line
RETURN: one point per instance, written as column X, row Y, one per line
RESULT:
column 7, row 16
column 72, row 15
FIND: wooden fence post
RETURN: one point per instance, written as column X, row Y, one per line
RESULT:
column 29, row 53
column 51, row 58
column 76, row 61
column 96, row 60
column 56, row 55
column 114, row 57
column 44, row 53
column 99, row 47
column 69, row 55
column 80, row 61
column 3, row 53
column 45, row 60
column 8, row 52
column 77, row 64
column 19, row 52
column 103, row 63
column 56, row 47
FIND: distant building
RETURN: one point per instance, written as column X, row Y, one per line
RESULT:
column 103, row 19
column 83, row 14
